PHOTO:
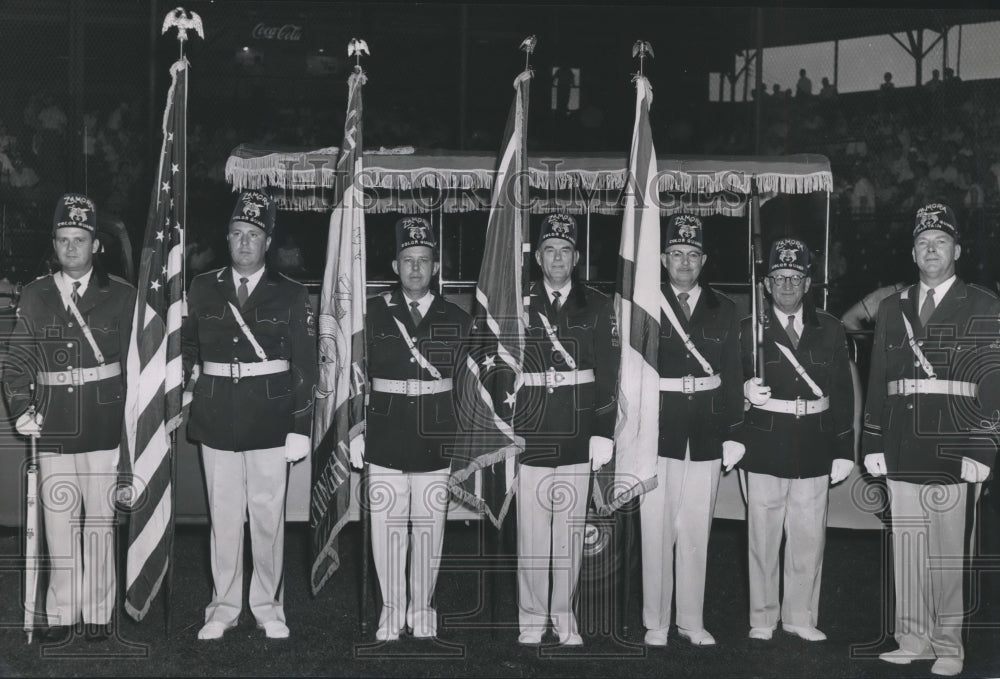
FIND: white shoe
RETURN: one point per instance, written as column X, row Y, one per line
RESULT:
column 571, row 639
column 530, row 637
column 656, row 637
column 804, row 632
column 275, row 629
column 383, row 634
column 903, row 657
column 697, row 637
column 947, row 667
column 761, row 633
column 213, row 630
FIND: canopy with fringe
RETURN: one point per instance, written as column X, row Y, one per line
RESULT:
column 408, row 180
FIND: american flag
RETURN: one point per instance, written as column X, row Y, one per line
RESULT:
column 153, row 398
column 340, row 392
column 637, row 305
column 483, row 467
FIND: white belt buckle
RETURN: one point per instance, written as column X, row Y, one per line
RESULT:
column 905, row 387
column 413, row 387
column 800, row 407
column 687, row 384
column 234, row 371
column 553, row 378
column 76, row 376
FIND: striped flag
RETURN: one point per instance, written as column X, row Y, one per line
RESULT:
column 483, row 468
column 637, row 305
column 340, row 391
column 153, row 397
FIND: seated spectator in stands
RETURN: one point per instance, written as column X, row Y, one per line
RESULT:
column 934, row 84
column 975, row 197
column 862, row 193
column 804, row 87
column 950, row 78
column 888, row 85
column 828, row 91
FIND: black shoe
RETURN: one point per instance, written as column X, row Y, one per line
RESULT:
column 97, row 632
column 57, row 634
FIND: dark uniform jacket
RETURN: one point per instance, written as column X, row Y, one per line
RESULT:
column 924, row 437
column 705, row 418
column 46, row 337
column 257, row 412
column 412, row 433
column 557, row 425
column 781, row 444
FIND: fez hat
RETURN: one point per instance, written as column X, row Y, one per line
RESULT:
column 558, row 226
column 75, row 209
column 936, row 216
column 414, row 230
column 789, row 253
column 256, row 208
column 684, row 229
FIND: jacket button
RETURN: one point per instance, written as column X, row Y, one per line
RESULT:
column 69, row 344
column 235, row 340
column 916, row 364
column 550, row 390
column 920, row 343
column 70, row 324
column 413, row 360
column 909, row 406
column 69, row 389
column 690, row 397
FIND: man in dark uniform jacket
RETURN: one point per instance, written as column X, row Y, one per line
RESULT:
column 701, row 406
column 565, row 411
column 414, row 339
column 71, row 338
column 930, row 425
column 249, row 333
column 799, row 438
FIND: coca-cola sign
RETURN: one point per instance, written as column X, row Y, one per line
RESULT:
column 290, row 32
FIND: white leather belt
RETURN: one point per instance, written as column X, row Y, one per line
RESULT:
column 553, row 378
column 946, row 387
column 411, row 387
column 241, row 370
column 66, row 378
column 690, row 384
column 798, row 407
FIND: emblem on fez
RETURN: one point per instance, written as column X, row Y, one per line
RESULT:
column 417, row 231
column 77, row 209
column 930, row 215
column 251, row 210
column 687, row 227
column 560, row 224
column 788, row 252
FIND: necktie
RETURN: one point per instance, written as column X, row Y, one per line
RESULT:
column 792, row 335
column 242, row 293
column 928, row 307
column 682, row 297
column 556, row 300
column 415, row 313
column 75, row 295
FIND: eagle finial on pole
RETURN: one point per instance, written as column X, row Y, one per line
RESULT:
column 355, row 48
column 642, row 49
column 528, row 45
column 183, row 21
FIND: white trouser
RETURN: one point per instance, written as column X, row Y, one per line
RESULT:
column 797, row 508
column 399, row 500
column 76, row 494
column 677, row 516
column 240, row 484
column 928, row 550
column 551, row 517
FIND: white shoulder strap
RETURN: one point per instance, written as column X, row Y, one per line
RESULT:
column 668, row 311
column 556, row 344
column 418, row 357
column 799, row 369
column 257, row 349
column 85, row 329
column 921, row 358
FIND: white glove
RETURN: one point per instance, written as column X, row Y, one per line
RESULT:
column 601, row 449
column 875, row 464
column 840, row 470
column 27, row 425
column 756, row 392
column 732, row 453
column 358, row 452
column 297, row 446
column 188, row 394
column 972, row 471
